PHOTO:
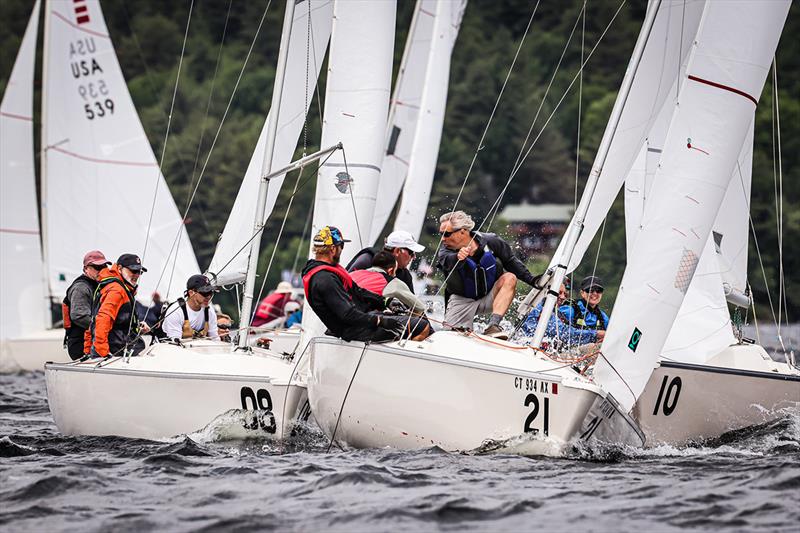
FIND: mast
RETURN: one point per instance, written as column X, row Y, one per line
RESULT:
column 43, row 167
column 574, row 231
column 266, row 167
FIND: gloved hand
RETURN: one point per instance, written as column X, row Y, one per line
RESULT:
column 397, row 307
column 396, row 325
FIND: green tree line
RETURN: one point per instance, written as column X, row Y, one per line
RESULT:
column 148, row 36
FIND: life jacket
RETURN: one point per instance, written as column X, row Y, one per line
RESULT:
column 271, row 308
column 579, row 313
column 125, row 329
column 369, row 251
column 73, row 335
column 478, row 278
column 371, row 280
column 338, row 270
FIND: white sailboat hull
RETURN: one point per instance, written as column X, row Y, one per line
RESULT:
column 29, row 353
column 415, row 396
column 690, row 402
column 172, row 390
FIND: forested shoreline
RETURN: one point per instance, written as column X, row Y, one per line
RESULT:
column 148, row 36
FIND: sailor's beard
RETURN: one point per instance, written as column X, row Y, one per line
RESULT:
column 128, row 277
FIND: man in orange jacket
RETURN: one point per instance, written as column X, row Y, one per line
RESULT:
column 115, row 329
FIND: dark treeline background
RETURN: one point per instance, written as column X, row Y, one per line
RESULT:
column 148, row 36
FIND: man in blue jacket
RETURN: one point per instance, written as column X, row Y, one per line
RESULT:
column 559, row 327
column 585, row 313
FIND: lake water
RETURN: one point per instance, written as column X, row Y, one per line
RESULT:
column 48, row 482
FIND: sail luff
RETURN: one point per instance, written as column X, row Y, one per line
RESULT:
column 725, row 75
column 24, row 307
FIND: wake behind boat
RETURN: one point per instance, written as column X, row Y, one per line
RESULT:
column 182, row 388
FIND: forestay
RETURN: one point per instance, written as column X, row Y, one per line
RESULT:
column 305, row 57
column 727, row 68
column 23, row 304
column 416, row 116
column 356, row 106
column 101, row 180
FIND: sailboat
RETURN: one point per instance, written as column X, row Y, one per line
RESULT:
column 687, row 203
column 179, row 388
column 101, row 187
column 452, row 390
column 24, row 306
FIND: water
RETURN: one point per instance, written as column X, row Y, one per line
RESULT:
column 746, row 481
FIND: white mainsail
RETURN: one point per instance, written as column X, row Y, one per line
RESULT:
column 100, row 179
column 727, row 68
column 23, row 305
column 662, row 62
column 302, row 70
column 416, row 116
column 356, row 107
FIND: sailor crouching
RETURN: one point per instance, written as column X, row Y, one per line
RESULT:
column 193, row 316
column 348, row 311
column 115, row 329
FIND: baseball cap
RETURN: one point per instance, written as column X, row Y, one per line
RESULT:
column 199, row 283
column 131, row 262
column 403, row 239
column 284, row 287
column 95, row 258
column 329, row 236
column 591, row 281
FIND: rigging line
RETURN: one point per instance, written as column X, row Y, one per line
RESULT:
column 300, row 246
column 277, row 242
column 344, row 399
column 578, row 138
column 680, row 49
column 219, row 128
column 166, row 135
column 781, row 279
column 489, row 122
column 352, row 199
column 763, row 271
column 258, row 232
column 566, row 92
column 202, row 134
column 542, row 101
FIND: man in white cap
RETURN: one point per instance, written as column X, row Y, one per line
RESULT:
column 402, row 246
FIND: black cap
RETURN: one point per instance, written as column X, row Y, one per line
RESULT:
column 591, row 281
column 199, row 283
column 131, row 262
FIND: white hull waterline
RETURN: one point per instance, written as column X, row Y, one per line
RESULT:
column 30, row 352
column 457, row 393
column 739, row 388
column 173, row 390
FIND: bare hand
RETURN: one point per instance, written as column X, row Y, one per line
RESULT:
column 144, row 328
column 464, row 253
column 601, row 333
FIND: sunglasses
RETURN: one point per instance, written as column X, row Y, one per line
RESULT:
column 412, row 253
column 205, row 294
column 595, row 289
column 447, row 234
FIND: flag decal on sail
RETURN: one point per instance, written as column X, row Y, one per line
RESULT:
column 636, row 336
column 686, row 270
column 81, row 12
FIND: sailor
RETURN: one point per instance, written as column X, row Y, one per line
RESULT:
column 402, row 246
column 585, row 313
column 294, row 314
column 272, row 306
column 350, row 312
column 559, row 327
column 224, row 324
column 481, row 272
column 115, row 329
column 76, row 308
column 381, row 280
column 192, row 316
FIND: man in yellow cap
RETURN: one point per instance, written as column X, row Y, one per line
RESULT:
column 349, row 311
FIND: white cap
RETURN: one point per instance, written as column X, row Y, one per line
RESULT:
column 284, row 287
column 403, row 239
column 291, row 307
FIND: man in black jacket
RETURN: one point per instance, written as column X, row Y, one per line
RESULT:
column 481, row 271
column 347, row 310
column 76, row 308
